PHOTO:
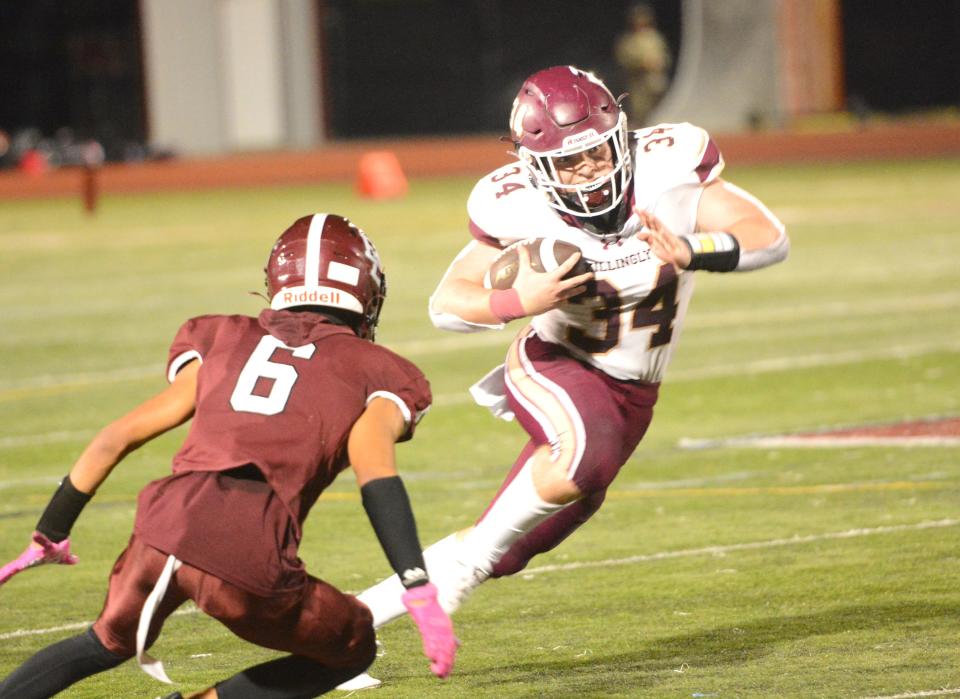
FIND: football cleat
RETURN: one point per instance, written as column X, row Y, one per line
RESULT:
column 456, row 581
column 361, row 681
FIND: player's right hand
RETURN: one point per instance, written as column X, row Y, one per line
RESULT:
column 543, row 291
column 435, row 627
column 664, row 244
column 40, row 551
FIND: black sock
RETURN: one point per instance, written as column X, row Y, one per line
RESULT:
column 292, row 677
column 57, row 667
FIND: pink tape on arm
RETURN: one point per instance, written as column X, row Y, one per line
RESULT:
column 505, row 305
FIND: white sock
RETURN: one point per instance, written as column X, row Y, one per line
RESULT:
column 518, row 510
column 383, row 599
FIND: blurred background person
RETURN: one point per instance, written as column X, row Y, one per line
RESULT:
column 644, row 56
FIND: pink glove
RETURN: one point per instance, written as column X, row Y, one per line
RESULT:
column 436, row 629
column 33, row 556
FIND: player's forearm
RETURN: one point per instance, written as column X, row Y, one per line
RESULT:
column 75, row 491
column 466, row 301
column 99, row 458
column 388, row 508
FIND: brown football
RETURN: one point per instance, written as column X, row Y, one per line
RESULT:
column 546, row 254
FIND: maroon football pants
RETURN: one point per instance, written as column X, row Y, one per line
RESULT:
column 317, row 621
column 592, row 422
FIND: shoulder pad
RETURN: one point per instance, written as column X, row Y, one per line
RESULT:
column 504, row 208
column 671, row 155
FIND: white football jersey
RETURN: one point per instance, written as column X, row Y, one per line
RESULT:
column 628, row 321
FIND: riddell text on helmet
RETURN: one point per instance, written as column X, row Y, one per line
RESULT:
column 322, row 298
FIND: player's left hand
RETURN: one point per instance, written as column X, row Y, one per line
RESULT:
column 664, row 243
column 436, row 629
column 40, row 551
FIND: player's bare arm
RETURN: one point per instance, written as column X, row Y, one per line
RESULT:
column 739, row 233
column 372, row 439
column 50, row 543
column 370, row 448
column 168, row 409
column 461, row 292
column 725, row 207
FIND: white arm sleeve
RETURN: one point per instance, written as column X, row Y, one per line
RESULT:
column 764, row 257
column 773, row 253
column 451, row 321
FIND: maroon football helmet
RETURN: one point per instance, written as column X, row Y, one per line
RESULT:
column 563, row 111
column 324, row 260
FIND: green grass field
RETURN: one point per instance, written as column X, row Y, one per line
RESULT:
column 720, row 572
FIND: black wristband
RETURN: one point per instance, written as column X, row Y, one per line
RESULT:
column 713, row 252
column 388, row 507
column 62, row 511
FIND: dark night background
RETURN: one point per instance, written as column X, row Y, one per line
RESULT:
column 429, row 66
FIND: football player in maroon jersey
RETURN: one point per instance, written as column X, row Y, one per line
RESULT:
column 281, row 404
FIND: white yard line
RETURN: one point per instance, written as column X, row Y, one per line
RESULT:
column 747, row 546
column 35, row 440
column 836, row 309
column 770, row 365
column 809, row 361
column 76, row 626
column 84, row 378
column 44, row 480
column 611, row 562
column 457, row 343
column 759, row 366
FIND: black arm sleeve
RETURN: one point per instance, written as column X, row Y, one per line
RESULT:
column 62, row 511
column 388, row 507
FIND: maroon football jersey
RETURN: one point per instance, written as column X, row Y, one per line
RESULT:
column 281, row 392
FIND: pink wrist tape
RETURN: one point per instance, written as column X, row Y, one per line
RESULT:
column 505, row 305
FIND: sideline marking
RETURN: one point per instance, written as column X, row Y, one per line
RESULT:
column 799, row 442
column 925, row 693
column 610, row 562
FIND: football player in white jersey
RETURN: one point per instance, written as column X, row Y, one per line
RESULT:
column 647, row 208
